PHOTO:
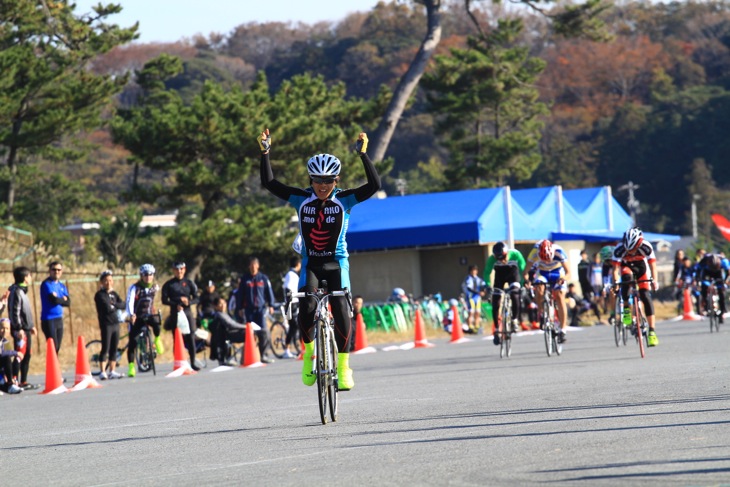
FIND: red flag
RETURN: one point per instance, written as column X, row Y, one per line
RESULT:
column 722, row 224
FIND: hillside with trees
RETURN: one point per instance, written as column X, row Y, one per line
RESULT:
column 459, row 94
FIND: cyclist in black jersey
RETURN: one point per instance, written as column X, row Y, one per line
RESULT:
column 324, row 212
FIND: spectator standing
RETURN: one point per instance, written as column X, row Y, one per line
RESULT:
column 109, row 308
column 9, row 361
column 473, row 289
column 584, row 276
column 179, row 293
column 54, row 297
column 22, row 325
column 255, row 295
column 206, row 302
column 291, row 284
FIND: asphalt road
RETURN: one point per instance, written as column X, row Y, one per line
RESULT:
column 455, row 414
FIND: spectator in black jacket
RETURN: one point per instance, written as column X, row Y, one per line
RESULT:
column 255, row 295
column 21, row 321
column 109, row 309
column 179, row 293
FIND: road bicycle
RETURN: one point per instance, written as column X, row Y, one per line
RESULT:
column 278, row 331
column 713, row 303
column 507, row 328
column 144, row 354
column 639, row 325
column 549, row 322
column 324, row 363
column 619, row 331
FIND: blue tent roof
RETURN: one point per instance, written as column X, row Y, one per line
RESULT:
column 481, row 216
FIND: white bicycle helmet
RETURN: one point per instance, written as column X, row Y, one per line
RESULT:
column 324, row 165
column 633, row 238
column 146, row 269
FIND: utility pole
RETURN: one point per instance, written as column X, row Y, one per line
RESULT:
column 633, row 203
column 695, row 197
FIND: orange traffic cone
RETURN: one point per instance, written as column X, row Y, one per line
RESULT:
column 84, row 379
column 251, row 357
column 689, row 313
column 420, row 341
column 54, row 381
column 182, row 366
column 361, row 339
column 457, row 334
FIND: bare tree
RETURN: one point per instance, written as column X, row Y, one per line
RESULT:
column 409, row 81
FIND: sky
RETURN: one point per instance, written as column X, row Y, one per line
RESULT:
column 171, row 20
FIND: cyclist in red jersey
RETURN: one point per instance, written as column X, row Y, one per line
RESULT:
column 634, row 259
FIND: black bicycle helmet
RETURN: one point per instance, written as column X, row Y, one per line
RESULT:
column 499, row 250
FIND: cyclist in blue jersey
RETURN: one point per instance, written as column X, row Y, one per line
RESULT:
column 324, row 213
column 551, row 264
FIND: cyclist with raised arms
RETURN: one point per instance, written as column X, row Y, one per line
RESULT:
column 324, row 213
column 634, row 259
column 140, row 309
column 710, row 268
column 508, row 266
column 551, row 268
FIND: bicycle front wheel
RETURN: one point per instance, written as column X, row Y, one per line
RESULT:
column 640, row 331
column 617, row 332
column 332, row 373
column 141, row 354
column 93, row 350
column 557, row 346
column 278, row 339
column 322, row 365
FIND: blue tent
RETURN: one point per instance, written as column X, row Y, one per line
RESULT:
column 482, row 216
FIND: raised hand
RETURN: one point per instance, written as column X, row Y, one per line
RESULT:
column 264, row 141
column 362, row 143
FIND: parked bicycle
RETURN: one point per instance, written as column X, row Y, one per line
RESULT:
column 324, row 365
column 279, row 330
column 639, row 325
column 549, row 322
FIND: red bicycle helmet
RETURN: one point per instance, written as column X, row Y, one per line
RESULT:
column 546, row 251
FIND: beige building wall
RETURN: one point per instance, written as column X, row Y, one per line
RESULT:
column 444, row 269
column 374, row 274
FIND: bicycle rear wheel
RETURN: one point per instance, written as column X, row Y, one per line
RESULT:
column 331, row 375
column 278, row 339
column 322, row 365
column 504, row 344
column 93, row 350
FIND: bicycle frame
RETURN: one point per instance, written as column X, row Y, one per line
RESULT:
column 639, row 327
column 548, row 319
column 324, row 365
column 713, row 303
column 505, row 330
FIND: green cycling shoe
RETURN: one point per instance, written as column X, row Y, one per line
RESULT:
column 308, row 377
column 345, row 381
